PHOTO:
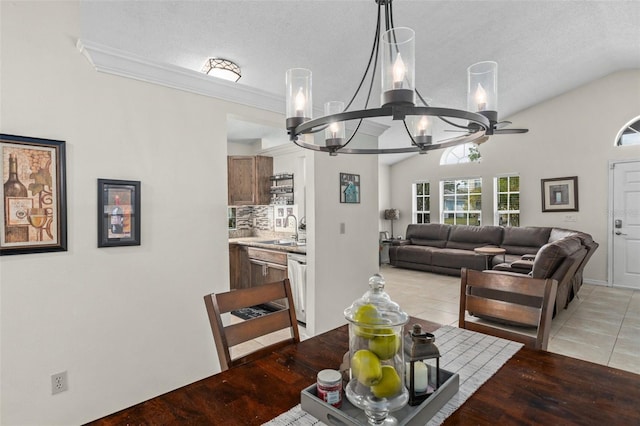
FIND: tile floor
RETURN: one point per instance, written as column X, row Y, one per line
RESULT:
column 601, row 326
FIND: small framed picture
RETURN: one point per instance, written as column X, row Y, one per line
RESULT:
column 349, row 188
column 118, row 213
column 33, row 217
column 560, row 194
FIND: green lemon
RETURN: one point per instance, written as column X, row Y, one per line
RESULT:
column 385, row 346
column 366, row 314
column 366, row 367
column 389, row 385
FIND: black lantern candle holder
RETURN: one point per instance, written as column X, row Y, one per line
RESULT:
column 421, row 379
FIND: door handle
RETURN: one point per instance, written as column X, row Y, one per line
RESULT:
column 619, row 233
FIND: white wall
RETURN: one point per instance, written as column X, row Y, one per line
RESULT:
column 126, row 323
column 343, row 263
column 570, row 135
column 384, row 201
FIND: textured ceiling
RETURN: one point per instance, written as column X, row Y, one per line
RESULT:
column 543, row 48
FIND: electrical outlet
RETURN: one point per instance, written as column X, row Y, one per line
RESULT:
column 59, row 383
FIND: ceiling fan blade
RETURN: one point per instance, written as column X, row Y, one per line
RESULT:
column 502, row 124
column 509, row 131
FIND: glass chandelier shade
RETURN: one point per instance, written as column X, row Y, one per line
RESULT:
column 299, row 101
column 482, row 88
column 398, row 66
column 334, row 133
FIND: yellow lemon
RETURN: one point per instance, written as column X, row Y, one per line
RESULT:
column 366, row 367
column 386, row 345
column 366, row 314
column 389, row 385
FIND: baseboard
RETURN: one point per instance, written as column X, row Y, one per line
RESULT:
column 595, row 282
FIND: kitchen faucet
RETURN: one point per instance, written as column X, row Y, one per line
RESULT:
column 286, row 223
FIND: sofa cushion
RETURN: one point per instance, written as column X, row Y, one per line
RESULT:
column 468, row 237
column 428, row 234
column 456, row 258
column 551, row 256
column 413, row 254
column 526, row 240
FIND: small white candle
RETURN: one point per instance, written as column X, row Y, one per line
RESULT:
column 300, row 102
column 420, row 376
column 481, row 97
column 399, row 71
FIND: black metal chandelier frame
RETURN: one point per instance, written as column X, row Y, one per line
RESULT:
column 479, row 125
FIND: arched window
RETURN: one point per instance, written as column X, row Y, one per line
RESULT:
column 459, row 154
column 629, row 134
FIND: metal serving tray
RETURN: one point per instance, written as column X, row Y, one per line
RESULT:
column 347, row 414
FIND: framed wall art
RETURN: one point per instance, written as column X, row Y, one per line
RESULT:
column 560, row 194
column 349, row 188
column 118, row 213
column 33, row 217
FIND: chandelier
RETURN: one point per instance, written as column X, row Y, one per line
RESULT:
column 394, row 51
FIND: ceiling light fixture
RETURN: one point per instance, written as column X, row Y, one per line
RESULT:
column 398, row 100
column 222, row 68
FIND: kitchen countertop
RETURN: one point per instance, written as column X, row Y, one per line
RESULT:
column 260, row 243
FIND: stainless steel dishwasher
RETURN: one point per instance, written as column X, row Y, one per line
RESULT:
column 297, row 270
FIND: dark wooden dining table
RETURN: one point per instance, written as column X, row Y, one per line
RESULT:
column 533, row 387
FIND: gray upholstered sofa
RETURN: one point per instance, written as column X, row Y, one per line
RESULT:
column 540, row 252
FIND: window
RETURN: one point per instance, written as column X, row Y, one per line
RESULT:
column 461, row 201
column 231, row 214
column 629, row 134
column 507, row 201
column 459, row 154
column 421, row 202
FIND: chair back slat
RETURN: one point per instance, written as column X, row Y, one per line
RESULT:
column 227, row 336
column 513, row 307
column 256, row 327
column 525, row 315
column 253, row 296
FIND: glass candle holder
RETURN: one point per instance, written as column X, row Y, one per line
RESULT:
column 299, row 105
column 398, row 67
column 334, row 134
column 482, row 89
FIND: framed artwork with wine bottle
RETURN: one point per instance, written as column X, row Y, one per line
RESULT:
column 118, row 213
column 34, row 202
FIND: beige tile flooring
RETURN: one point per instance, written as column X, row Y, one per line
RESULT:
column 601, row 326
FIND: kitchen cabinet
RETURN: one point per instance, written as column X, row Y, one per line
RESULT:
column 238, row 265
column 249, row 180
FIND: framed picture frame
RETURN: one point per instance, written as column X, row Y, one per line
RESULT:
column 33, row 217
column 560, row 194
column 119, row 218
column 349, row 188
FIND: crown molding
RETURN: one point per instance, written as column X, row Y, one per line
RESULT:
column 126, row 64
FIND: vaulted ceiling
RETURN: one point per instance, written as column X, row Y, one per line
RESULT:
column 543, row 48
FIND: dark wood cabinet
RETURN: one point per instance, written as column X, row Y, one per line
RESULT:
column 249, row 180
column 238, row 267
column 252, row 267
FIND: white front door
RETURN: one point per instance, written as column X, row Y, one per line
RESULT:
column 626, row 224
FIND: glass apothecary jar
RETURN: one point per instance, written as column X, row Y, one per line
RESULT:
column 376, row 354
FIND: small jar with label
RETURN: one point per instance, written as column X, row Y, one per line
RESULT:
column 330, row 387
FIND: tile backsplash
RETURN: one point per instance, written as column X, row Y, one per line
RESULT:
column 258, row 221
column 252, row 221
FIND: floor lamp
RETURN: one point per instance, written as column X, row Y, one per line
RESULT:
column 392, row 214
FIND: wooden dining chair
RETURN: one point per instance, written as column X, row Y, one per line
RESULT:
column 227, row 336
column 513, row 307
